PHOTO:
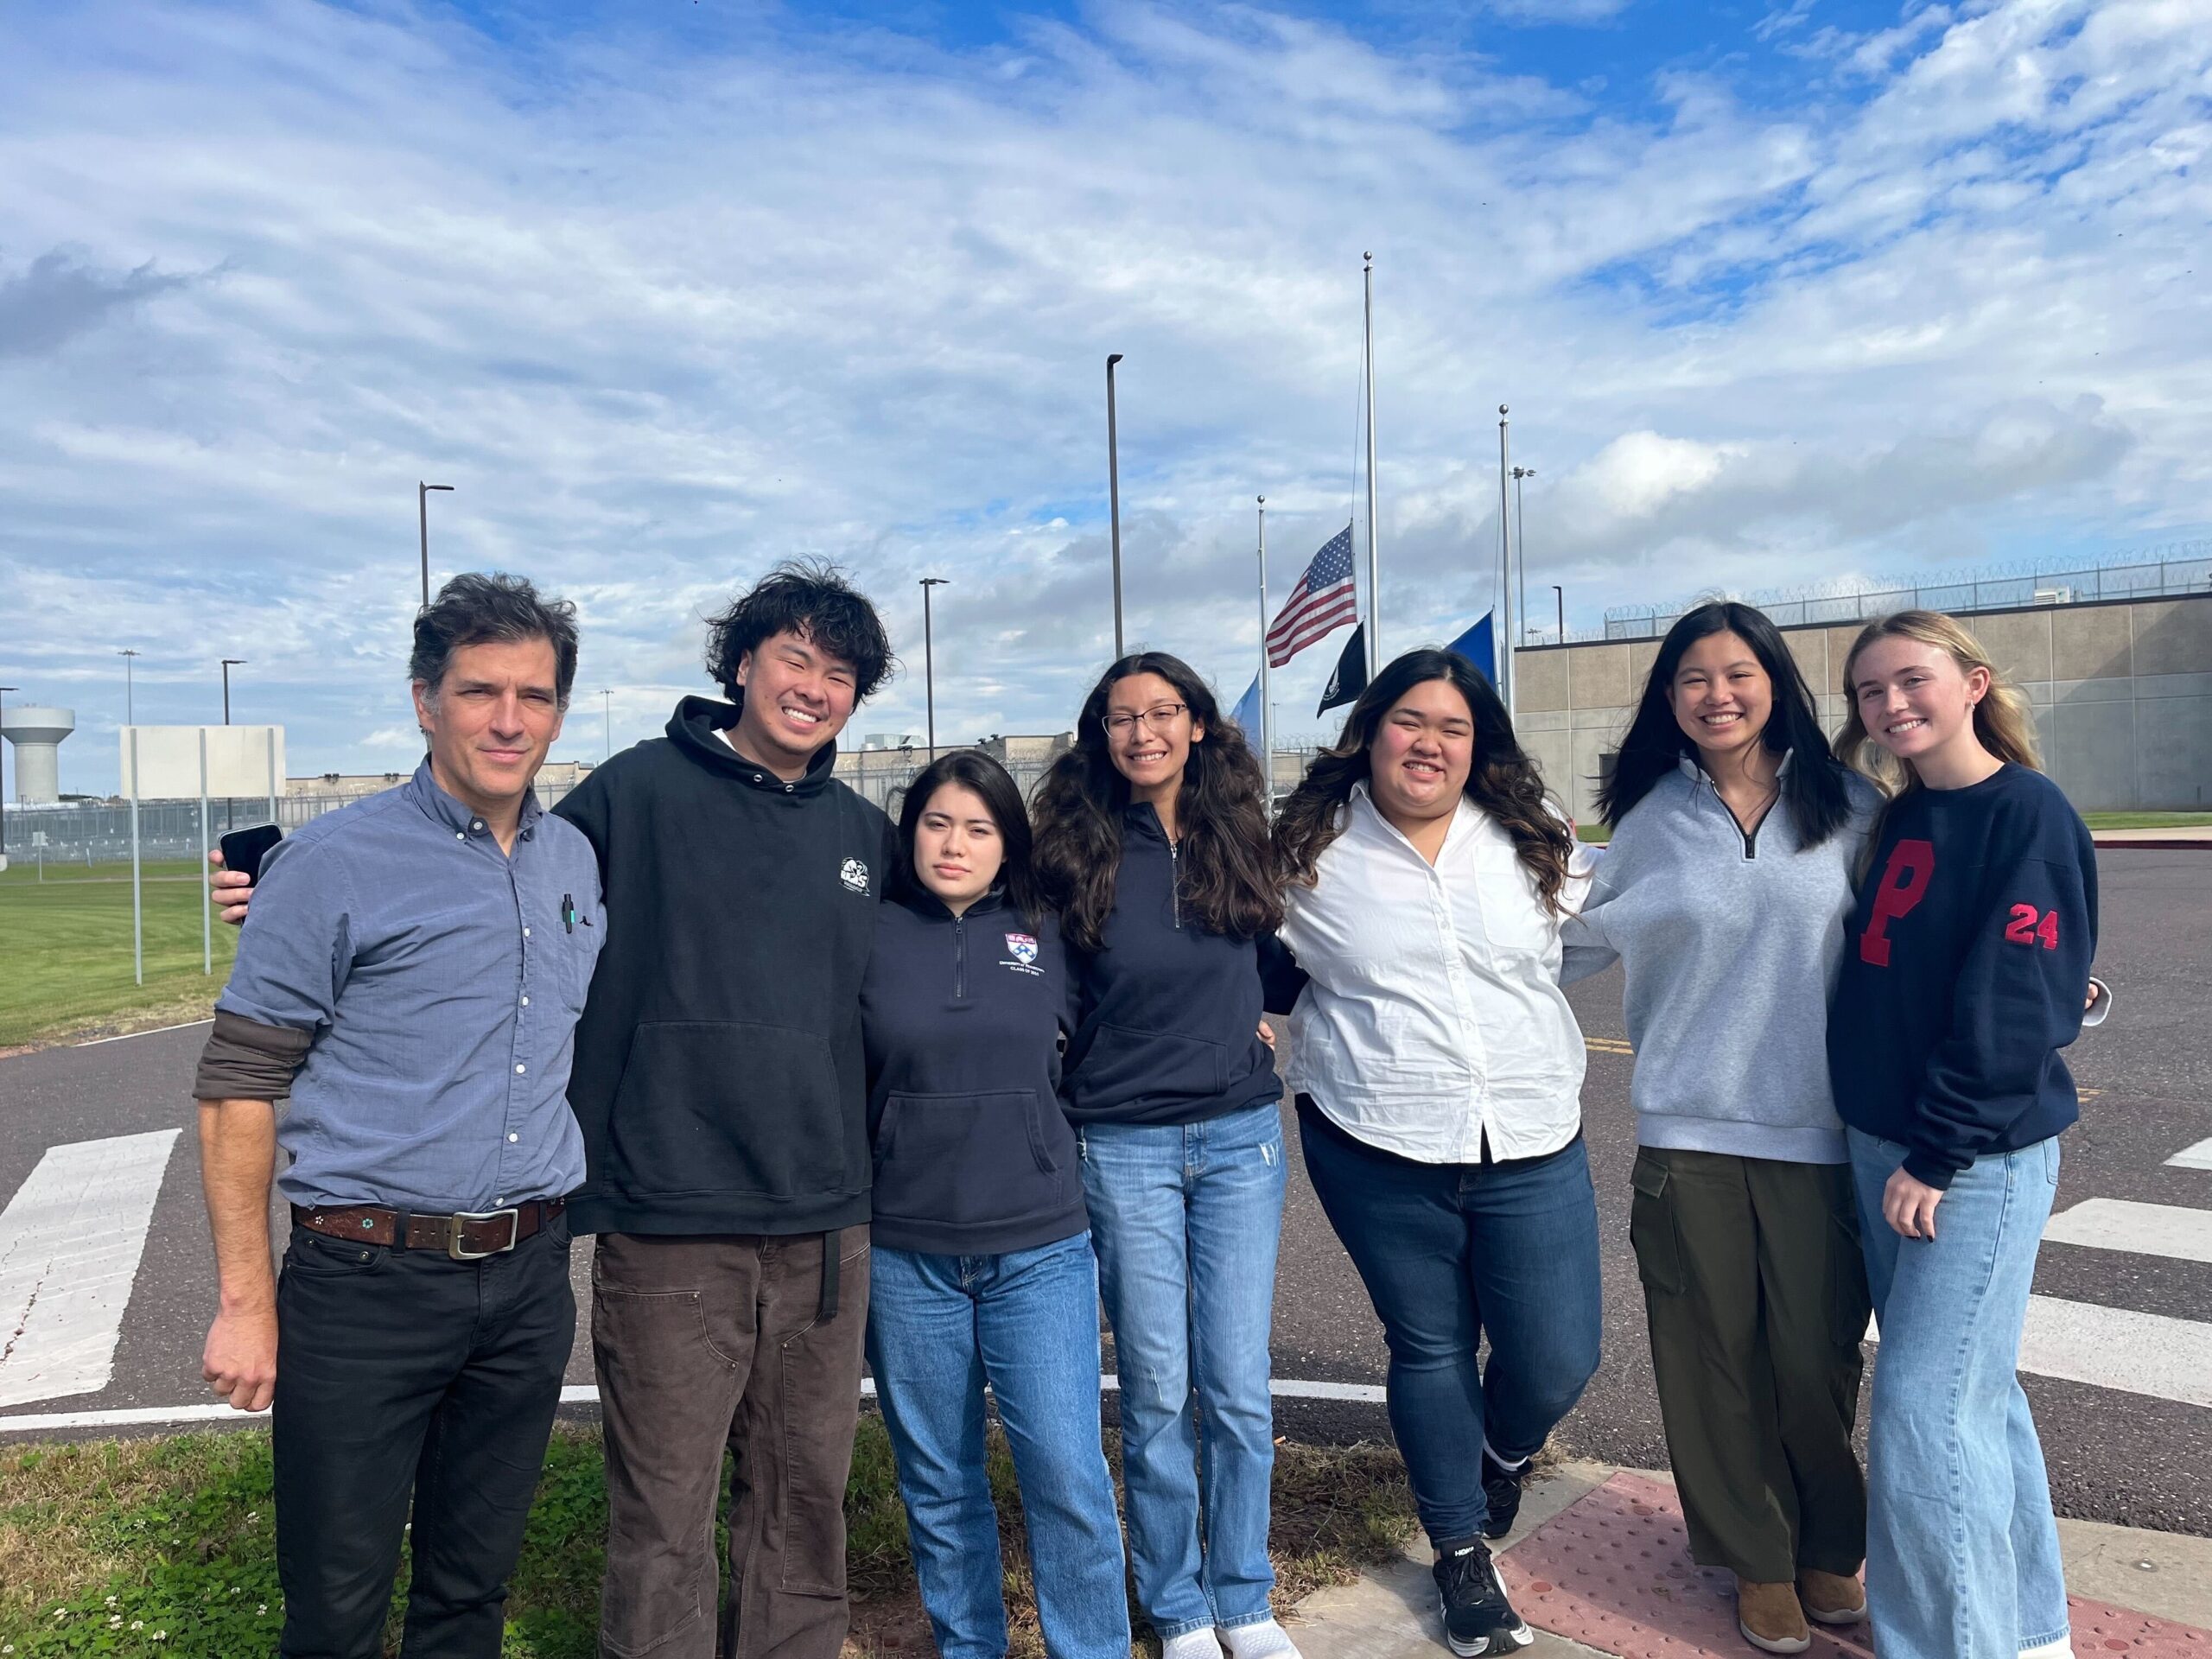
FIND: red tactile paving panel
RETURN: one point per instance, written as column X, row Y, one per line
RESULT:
column 1612, row 1571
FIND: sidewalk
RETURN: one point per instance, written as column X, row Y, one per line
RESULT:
column 1599, row 1564
column 2193, row 836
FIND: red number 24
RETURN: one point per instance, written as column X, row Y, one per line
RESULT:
column 2025, row 928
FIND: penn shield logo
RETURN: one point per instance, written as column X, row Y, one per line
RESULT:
column 1022, row 947
column 853, row 875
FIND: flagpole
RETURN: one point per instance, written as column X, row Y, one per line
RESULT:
column 1267, row 702
column 1374, row 578
column 1504, row 636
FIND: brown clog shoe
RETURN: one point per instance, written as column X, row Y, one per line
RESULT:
column 1769, row 1617
column 1831, row 1598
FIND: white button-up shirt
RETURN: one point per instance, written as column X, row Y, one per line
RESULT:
column 1434, row 1015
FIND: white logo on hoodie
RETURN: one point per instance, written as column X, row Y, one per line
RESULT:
column 853, row 875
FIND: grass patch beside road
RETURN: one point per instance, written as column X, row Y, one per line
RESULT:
column 65, row 944
column 166, row 1547
column 2146, row 820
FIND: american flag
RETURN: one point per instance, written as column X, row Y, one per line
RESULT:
column 1322, row 601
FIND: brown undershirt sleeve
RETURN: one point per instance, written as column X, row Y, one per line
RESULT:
column 246, row 1061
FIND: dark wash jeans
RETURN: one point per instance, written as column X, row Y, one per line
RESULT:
column 1450, row 1252
column 405, row 1378
column 712, row 1341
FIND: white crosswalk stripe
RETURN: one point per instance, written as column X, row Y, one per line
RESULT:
column 2167, row 1230
column 2197, row 1157
column 70, row 1241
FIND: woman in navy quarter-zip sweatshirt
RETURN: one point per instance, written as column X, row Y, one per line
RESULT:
column 1966, row 966
column 983, row 1268
column 1152, row 845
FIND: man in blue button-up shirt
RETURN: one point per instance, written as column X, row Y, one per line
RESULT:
column 410, row 978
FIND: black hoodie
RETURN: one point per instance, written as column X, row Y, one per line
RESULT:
column 963, row 1016
column 719, row 1075
column 1168, row 1013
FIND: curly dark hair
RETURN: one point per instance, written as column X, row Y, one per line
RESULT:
column 973, row 769
column 1503, row 781
column 1222, row 858
column 477, row 608
column 811, row 598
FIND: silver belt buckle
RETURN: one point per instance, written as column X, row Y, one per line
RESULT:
column 453, row 1247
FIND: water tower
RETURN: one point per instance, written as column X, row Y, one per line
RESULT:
column 37, row 734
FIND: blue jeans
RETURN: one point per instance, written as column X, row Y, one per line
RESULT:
column 1185, row 1219
column 1962, row 1554
column 939, row 1327
column 1450, row 1252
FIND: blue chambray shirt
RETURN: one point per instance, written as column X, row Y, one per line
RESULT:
column 441, row 983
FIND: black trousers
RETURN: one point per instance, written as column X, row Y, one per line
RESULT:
column 405, row 1378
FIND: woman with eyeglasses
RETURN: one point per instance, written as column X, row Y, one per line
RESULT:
column 1152, row 845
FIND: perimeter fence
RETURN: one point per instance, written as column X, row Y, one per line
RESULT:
column 98, row 832
column 2171, row 570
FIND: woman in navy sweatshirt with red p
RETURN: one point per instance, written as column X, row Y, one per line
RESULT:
column 1964, row 972
column 982, row 1269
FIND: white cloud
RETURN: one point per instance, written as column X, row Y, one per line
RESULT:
column 663, row 312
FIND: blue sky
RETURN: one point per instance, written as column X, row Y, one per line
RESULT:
column 1780, row 294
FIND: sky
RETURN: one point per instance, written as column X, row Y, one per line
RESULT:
column 1779, row 294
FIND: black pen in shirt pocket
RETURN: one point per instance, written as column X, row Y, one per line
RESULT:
column 568, row 912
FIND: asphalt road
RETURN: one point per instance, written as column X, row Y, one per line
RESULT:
column 2114, row 1455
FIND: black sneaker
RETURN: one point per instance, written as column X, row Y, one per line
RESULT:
column 1502, row 1492
column 1478, row 1618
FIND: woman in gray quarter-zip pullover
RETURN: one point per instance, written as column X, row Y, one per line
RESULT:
column 1723, row 893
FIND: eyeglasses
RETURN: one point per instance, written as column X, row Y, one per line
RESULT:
column 1160, row 718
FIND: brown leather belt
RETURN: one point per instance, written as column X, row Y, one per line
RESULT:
column 470, row 1236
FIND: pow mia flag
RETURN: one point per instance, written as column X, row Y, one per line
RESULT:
column 1350, row 678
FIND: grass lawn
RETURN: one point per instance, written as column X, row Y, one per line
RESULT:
column 2146, row 820
column 166, row 1547
column 65, row 949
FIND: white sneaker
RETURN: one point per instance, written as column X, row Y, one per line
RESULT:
column 1191, row 1645
column 1265, row 1640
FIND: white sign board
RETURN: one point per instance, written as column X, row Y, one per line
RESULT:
column 241, row 761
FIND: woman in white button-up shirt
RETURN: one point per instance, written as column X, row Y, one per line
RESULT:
column 1439, row 1073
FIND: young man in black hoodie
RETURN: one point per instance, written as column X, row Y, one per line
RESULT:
column 722, row 1087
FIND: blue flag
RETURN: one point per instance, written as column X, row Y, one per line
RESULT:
column 1247, row 712
column 1477, row 646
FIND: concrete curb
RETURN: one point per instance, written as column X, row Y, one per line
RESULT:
column 1391, row 1612
column 2153, row 844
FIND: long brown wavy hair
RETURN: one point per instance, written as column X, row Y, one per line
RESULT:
column 1503, row 781
column 1222, row 870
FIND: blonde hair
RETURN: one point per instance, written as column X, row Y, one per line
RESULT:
column 2004, row 720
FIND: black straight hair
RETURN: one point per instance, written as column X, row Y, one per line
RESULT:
column 1813, row 787
column 809, row 598
column 476, row 608
column 973, row 769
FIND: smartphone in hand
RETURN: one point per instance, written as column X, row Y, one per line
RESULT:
column 244, row 849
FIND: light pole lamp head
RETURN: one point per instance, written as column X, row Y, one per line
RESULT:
column 937, row 582
column 434, row 486
column 1112, row 357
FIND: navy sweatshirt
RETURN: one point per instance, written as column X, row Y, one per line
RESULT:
column 719, row 1077
column 1167, row 1013
column 1964, row 969
column 962, row 1016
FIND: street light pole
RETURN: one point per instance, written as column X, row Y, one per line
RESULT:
column 422, row 516
column 1559, row 595
column 5, row 691
column 929, row 660
column 1505, row 635
column 607, row 707
column 1113, row 497
column 229, row 662
column 129, row 705
column 1521, row 549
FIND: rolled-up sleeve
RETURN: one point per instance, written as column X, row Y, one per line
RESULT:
column 296, row 943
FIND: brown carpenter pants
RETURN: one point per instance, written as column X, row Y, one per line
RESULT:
column 708, row 1343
